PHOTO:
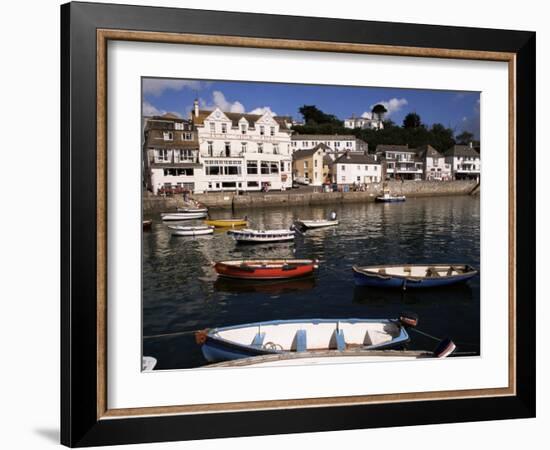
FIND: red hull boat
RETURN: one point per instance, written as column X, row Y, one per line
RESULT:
column 266, row 269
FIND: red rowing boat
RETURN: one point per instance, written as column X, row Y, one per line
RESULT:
column 266, row 269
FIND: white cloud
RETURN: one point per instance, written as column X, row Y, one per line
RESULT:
column 262, row 110
column 392, row 105
column 219, row 101
column 151, row 110
column 156, row 86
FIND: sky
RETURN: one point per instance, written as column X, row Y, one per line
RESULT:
column 458, row 110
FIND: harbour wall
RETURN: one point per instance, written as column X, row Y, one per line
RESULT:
column 230, row 200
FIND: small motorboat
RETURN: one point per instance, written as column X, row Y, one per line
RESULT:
column 386, row 197
column 266, row 269
column 227, row 223
column 147, row 225
column 412, row 276
column 188, row 210
column 355, row 355
column 300, row 336
column 321, row 223
column 148, row 363
column 179, row 230
column 183, row 216
column 248, row 236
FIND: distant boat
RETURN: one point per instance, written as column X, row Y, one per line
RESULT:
column 182, row 216
column 227, row 223
column 148, row 363
column 386, row 197
column 300, row 336
column 147, row 224
column 320, row 223
column 192, row 210
column 445, row 349
column 266, row 269
column 249, row 236
column 412, row 276
column 179, row 230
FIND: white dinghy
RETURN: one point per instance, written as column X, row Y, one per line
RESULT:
column 320, row 223
column 179, row 230
column 183, row 216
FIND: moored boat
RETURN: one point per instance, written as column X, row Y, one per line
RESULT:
column 386, row 197
column 412, row 276
column 354, row 355
column 300, row 336
column 192, row 210
column 179, row 230
column 183, row 216
column 227, row 223
column 250, row 236
column 319, row 223
column 266, row 269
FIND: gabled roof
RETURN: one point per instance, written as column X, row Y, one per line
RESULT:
column 356, row 158
column 393, row 148
column 301, row 154
column 462, row 150
column 428, row 151
column 236, row 117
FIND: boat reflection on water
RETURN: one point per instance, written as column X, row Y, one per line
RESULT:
column 274, row 287
column 457, row 294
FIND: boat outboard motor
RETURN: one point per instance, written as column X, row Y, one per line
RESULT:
column 332, row 215
column 408, row 319
column 444, row 348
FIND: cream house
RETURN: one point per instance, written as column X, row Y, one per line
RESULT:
column 307, row 166
column 435, row 166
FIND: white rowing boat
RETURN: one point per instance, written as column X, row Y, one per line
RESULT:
column 192, row 210
column 183, row 216
column 248, row 235
column 319, row 223
column 179, row 230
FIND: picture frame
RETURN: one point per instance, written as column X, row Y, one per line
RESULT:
column 86, row 28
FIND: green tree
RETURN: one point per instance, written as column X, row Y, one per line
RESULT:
column 412, row 120
column 465, row 137
column 314, row 116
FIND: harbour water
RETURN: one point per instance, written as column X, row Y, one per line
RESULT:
column 181, row 291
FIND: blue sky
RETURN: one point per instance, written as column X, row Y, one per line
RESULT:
column 455, row 109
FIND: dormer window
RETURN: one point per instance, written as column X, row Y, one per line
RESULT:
column 178, row 126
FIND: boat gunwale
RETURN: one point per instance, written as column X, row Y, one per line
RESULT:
column 282, row 262
column 362, row 271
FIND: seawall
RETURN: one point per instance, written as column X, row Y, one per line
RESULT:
column 230, row 200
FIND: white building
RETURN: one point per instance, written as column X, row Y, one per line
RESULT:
column 465, row 162
column 435, row 166
column 364, row 122
column 356, row 168
column 401, row 162
column 245, row 152
column 334, row 142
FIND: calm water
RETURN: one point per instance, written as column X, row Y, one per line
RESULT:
column 181, row 291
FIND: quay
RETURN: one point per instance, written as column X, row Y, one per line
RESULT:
column 232, row 200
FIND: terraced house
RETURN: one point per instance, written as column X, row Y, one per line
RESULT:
column 334, row 142
column 400, row 162
column 465, row 162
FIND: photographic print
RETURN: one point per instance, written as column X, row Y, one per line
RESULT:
column 295, row 224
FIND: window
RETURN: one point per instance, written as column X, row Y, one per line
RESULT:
column 315, row 161
column 243, row 147
column 232, row 170
column 264, row 168
column 224, row 128
column 243, row 128
column 282, row 166
column 213, row 170
column 227, row 149
column 229, row 184
column 252, row 167
column 348, row 144
column 274, row 167
column 305, row 143
column 188, row 136
column 337, row 144
column 262, row 130
column 260, row 148
column 275, row 149
column 162, row 155
column 185, row 155
column 305, row 164
column 359, row 167
column 343, row 178
column 342, row 166
column 358, row 179
column 178, row 126
column 212, row 127
column 210, row 148
column 272, row 131
column 252, row 184
column 294, row 143
column 168, row 136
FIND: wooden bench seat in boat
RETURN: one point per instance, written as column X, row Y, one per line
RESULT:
column 432, row 272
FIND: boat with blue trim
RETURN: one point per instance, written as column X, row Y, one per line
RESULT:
column 302, row 336
column 412, row 276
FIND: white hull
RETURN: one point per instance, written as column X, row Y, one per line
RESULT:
column 182, row 216
column 259, row 236
column 191, row 231
column 192, row 210
column 317, row 223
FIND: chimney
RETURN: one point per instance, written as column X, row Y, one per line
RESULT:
column 471, row 144
column 196, row 108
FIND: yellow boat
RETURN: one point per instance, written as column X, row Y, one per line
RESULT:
column 227, row 223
